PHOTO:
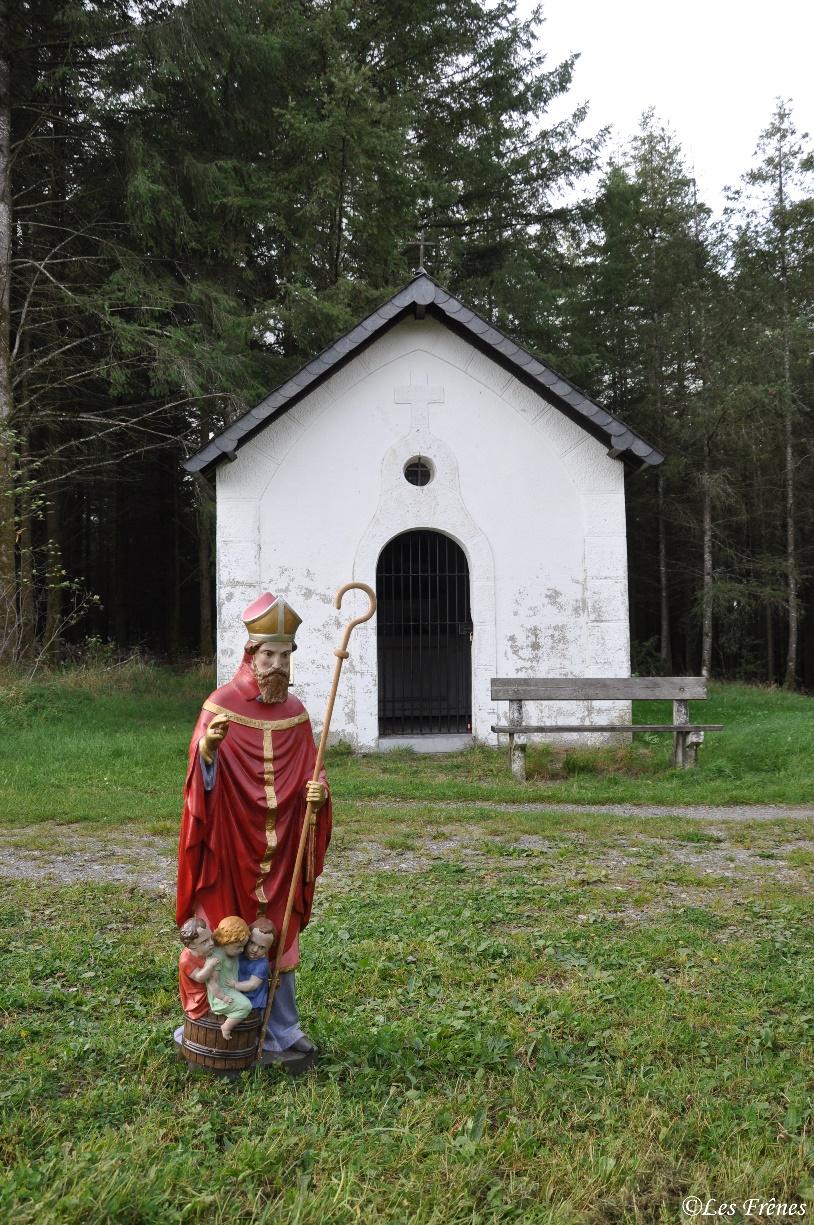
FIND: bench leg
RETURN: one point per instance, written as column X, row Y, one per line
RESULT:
column 681, row 714
column 517, row 744
column 694, row 742
column 517, row 760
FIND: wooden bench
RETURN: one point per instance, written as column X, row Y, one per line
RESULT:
column 686, row 736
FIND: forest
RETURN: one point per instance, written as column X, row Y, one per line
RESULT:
column 196, row 196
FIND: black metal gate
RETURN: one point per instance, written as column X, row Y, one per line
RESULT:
column 424, row 630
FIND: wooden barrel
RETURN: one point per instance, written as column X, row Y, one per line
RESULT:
column 204, row 1046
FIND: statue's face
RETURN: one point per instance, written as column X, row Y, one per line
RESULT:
column 204, row 944
column 273, row 657
column 255, row 951
column 259, row 944
column 272, row 665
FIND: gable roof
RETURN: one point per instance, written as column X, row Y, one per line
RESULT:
column 423, row 296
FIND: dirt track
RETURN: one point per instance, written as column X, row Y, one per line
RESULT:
column 70, row 854
column 731, row 812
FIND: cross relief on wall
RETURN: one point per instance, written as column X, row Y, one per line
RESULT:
column 419, row 396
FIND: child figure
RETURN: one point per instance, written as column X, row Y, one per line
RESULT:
column 196, row 967
column 253, row 964
column 230, row 936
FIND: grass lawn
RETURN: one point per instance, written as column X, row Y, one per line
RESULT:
column 111, row 746
column 543, row 1017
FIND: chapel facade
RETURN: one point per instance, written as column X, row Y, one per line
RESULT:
column 478, row 492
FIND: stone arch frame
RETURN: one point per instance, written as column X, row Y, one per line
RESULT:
column 402, row 509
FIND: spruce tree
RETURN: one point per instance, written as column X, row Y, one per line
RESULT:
column 774, row 264
column 638, row 331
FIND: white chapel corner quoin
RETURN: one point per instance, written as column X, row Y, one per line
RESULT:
column 424, row 440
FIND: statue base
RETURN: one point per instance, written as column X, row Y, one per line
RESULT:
column 294, row 1063
column 204, row 1046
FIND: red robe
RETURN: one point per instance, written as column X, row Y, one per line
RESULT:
column 239, row 841
column 194, row 999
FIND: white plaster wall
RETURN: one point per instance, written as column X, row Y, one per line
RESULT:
column 535, row 502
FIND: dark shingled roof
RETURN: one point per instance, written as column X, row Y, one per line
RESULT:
column 422, row 296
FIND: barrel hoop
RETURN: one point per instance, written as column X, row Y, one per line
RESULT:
column 210, row 1021
column 213, row 1053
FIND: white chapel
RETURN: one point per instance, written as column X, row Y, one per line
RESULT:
column 478, row 492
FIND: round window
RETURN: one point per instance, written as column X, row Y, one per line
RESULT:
column 418, row 471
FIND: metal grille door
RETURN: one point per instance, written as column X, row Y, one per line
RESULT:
column 424, row 629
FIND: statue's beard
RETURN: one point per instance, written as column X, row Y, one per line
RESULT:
column 273, row 685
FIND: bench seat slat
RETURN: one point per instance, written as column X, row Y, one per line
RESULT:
column 601, row 688
column 610, row 727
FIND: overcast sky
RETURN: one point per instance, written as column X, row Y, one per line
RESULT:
column 711, row 68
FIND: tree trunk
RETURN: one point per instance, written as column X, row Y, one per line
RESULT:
column 770, row 665
column 339, row 213
column 706, row 598
column 28, row 618
column 205, row 517
column 763, row 547
column 7, row 526
column 174, row 567
column 119, row 583
column 5, row 213
column 53, row 578
column 26, row 512
column 790, row 681
column 203, row 509
column 665, row 649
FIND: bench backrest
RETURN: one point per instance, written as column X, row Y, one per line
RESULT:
column 581, row 689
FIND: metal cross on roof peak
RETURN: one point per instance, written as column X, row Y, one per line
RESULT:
column 420, row 241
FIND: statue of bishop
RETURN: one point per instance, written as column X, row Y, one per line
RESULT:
column 251, row 761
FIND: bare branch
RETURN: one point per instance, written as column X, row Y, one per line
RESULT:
column 20, row 326
column 55, row 353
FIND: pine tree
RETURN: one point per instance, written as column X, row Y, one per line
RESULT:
column 774, row 253
column 7, row 568
column 635, row 330
column 54, row 234
column 207, row 193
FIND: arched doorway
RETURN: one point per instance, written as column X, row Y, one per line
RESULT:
column 424, row 636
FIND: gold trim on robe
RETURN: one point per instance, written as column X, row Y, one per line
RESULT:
column 271, row 818
column 271, row 725
column 266, row 726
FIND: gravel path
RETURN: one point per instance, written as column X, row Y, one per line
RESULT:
column 120, row 857
column 731, row 812
column 71, row 854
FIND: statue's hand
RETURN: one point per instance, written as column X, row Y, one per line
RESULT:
column 210, row 741
column 315, row 794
